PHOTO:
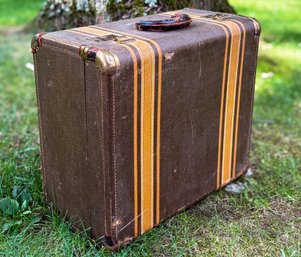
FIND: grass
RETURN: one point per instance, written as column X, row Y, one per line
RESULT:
column 263, row 220
column 18, row 12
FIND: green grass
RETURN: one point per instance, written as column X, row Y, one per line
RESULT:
column 263, row 220
column 18, row 12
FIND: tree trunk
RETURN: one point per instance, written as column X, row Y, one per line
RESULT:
column 216, row 5
column 125, row 9
column 63, row 14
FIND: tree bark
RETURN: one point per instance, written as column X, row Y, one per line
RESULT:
column 216, row 5
column 126, row 9
column 63, row 14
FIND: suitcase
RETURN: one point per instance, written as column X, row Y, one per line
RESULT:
column 137, row 125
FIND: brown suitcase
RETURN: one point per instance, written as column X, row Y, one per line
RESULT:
column 137, row 125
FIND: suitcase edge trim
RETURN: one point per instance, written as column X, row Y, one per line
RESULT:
column 106, row 61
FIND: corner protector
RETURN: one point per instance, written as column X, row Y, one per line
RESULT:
column 36, row 42
column 86, row 52
column 256, row 25
column 106, row 62
column 115, row 245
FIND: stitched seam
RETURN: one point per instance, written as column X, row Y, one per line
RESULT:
column 242, row 57
column 40, row 125
column 252, row 97
column 101, row 31
column 114, row 153
column 87, row 161
column 103, row 156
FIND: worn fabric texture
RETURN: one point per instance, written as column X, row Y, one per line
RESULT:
column 121, row 152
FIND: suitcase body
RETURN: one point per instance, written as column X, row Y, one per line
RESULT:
column 137, row 125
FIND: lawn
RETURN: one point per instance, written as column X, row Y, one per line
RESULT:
column 18, row 12
column 263, row 220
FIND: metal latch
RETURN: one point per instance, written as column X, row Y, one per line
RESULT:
column 217, row 16
column 116, row 38
column 123, row 39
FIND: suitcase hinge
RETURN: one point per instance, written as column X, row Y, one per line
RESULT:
column 36, row 42
column 106, row 61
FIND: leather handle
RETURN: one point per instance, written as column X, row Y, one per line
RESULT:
column 177, row 21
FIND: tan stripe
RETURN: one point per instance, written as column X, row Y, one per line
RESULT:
column 90, row 30
column 158, row 48
column 98, row 32
column 222, row 103
column 147, row 126
column 47, row 36
column 147, row 132
column 229, row 133
column 158, row 168
column 160, row 59
column 239, row 96
column 231, row 95
column 222, row 93
column 222, row 107
column 136, row 215
column 230, row 101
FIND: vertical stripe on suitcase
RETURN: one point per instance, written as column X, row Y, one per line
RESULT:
column 148, row 128
column 230, row 95
column 147, row 132
column 158, row 114
column 232, row 100
column 235, row 33
column 242, row 55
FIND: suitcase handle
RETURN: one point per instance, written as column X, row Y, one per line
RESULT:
column 177, row 21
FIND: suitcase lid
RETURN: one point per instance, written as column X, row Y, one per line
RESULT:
column 206, row 26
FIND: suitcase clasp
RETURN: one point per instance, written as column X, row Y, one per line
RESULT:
column 217, row 16
column 123, row 39
column 118, row 39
